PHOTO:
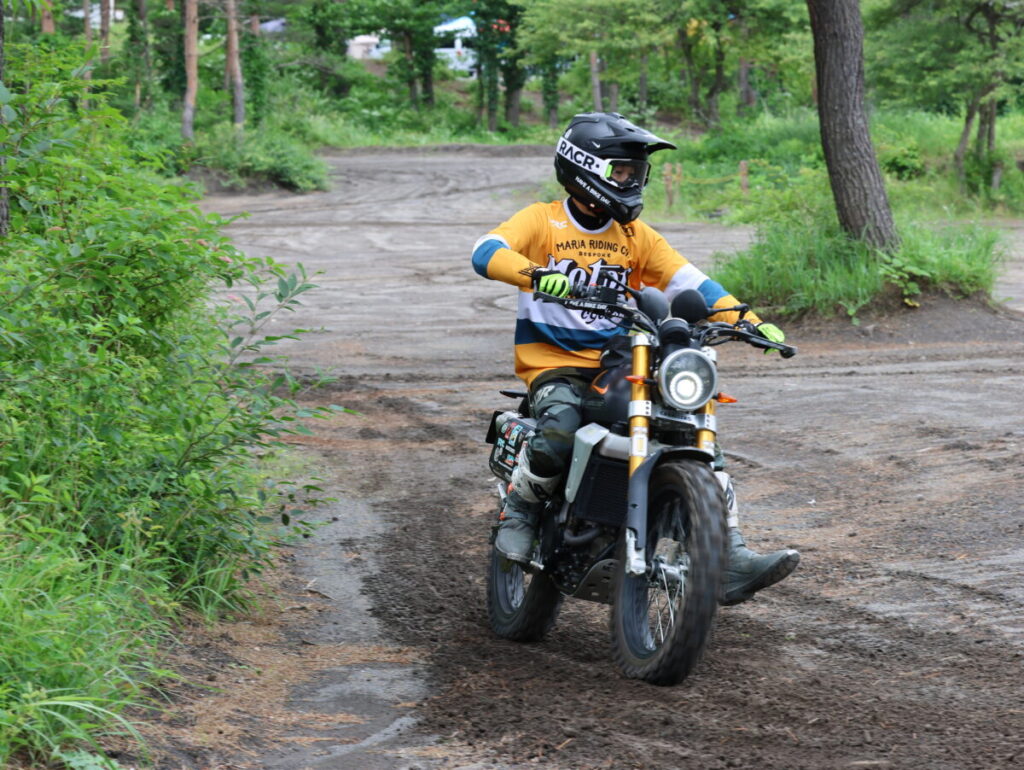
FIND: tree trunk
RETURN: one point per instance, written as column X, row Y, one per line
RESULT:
column 106, row 8
column 491, row 89
column 515, row 77
column 410, row 75
column 857, row 186
column 147, row 61
column 613, row 97
column 961, row 148
column 426, row 68
column 513, row 105
column 549, row 89
column 188, row 111
column 47, row 27
column 595, row 82
column 981, row 138
column 481, row 96
column 748, row 98
column 692, row 75
column 5, row 212
column 234, row 64
column 991, row 136
column 712, row 116
column 641, row 85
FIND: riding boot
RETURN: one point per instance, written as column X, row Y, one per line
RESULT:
column 517, row 527
column 747, row 571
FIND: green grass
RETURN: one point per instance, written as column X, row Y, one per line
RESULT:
column 76, row 640
column 814, row 269
column 784, row 159
column 801, row 263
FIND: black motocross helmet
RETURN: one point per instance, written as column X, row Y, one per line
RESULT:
column 602, row 159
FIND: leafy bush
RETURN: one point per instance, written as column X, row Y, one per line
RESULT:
column 132, row 409
column 268, row 155
column 903, row 162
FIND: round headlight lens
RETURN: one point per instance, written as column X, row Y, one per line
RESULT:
column 687, row 379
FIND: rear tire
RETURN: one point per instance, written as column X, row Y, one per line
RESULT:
column 522, row 606
column 661, row 622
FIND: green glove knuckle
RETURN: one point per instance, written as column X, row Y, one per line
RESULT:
column 771, row 332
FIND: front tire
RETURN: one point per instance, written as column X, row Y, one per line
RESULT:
column 522, row 606
column 661, row 621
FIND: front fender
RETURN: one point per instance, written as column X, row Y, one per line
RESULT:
column 636, row 504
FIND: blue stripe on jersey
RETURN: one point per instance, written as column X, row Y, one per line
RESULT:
column 483, row 253
column 567, row 339
column 712, row 291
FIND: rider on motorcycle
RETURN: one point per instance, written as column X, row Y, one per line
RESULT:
column 593, row 237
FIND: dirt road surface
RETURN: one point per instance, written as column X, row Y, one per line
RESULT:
column 890, row 454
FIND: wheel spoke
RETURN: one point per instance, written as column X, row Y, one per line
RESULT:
column 665, row 595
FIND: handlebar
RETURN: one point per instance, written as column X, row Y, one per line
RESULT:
column 719, row 332
column 604, row 301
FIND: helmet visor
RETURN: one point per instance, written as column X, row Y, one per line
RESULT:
column 626, row 173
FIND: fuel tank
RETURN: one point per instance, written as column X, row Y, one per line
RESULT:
column 606, row 401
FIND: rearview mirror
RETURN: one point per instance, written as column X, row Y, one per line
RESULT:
column 690, row 305
column 653, row 303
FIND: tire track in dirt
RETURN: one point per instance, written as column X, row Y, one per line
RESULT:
column 890, row 454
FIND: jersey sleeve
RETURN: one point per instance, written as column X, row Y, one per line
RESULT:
column 514, row 249
column 670, row 271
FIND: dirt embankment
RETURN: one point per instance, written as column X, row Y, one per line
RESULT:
column 889, row 454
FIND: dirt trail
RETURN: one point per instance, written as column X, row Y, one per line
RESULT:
column 890, row 455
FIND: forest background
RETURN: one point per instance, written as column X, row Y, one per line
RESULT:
column 140, row 478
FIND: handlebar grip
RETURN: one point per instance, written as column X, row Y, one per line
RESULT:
column 786, row 351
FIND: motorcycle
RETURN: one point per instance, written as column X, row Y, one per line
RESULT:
column 641, row 521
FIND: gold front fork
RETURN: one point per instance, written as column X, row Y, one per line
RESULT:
column 706, row 436
column 640, row 402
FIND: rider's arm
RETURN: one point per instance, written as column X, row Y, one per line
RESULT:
column 667, row 269
column 504, row 253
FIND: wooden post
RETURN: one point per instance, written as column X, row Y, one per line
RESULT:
column 670, row 192
column 673, row 175
column 744, row 178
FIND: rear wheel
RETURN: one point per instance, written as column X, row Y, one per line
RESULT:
column 661, row 621
column 522, row 606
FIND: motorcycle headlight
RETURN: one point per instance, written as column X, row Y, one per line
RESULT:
column 687, row 379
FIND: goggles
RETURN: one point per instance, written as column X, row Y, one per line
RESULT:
column 626, row 173
column 623, row 173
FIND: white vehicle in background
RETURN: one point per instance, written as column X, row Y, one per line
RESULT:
column 457, row 38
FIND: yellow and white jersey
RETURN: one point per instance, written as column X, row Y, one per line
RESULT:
column 546, row 235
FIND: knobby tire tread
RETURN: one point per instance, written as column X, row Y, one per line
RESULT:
column 681, row 652
column 534, row 618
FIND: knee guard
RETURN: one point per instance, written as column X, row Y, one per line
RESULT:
column 528, row 485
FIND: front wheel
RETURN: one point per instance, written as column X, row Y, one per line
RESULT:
column 522, row 606
column 661, row 621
